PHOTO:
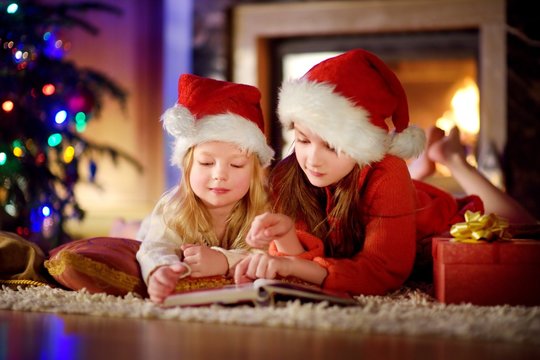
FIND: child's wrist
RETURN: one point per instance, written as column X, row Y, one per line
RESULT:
column 289, row 246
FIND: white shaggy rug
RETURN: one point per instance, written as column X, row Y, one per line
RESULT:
column 408, row 312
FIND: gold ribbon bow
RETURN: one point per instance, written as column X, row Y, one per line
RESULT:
column 478, row 227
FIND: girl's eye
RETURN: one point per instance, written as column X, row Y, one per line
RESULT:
column 238, row 166
column 302, row 140
column 205, row 163
column 330, row 147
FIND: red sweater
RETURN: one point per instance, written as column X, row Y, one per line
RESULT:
column 403, row 211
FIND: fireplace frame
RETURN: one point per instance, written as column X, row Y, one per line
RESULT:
column 254, row 26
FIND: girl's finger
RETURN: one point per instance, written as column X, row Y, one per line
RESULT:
column 240, row 271
column 261, row 267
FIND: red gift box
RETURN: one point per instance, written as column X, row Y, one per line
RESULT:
column 498, row 273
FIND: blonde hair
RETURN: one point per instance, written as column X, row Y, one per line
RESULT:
column 191, row 220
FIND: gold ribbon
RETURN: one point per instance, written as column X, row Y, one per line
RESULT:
column 478, row 228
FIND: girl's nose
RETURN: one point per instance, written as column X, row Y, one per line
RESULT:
column 314, row 157
column 219, row 173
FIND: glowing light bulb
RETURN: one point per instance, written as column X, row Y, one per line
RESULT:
column 80, row 117
column 48, row 89
column 8, row 105
column 60, row 116
column 18, row 152
column 80, row 121
column 69, row 153
column 18, row 149
column 40, row 159
column 12, row 8
column 54, row 139
column 45, row 210
column 3, row 158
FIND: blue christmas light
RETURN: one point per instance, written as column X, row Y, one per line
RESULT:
column 41, row 217
column 36, row 220
column 45, row 211
column 3, row 158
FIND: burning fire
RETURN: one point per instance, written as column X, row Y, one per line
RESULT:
column 464, row 112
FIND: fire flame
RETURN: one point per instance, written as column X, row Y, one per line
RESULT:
column 464, row 112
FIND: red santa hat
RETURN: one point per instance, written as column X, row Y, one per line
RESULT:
column 346, row 101
column 214, row 110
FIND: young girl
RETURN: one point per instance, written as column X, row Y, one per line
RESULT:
column 199, row 227
column 346, row 213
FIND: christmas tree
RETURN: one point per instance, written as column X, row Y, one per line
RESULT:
column 46, row 102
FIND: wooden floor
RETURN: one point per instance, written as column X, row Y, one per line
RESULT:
column 26, row 335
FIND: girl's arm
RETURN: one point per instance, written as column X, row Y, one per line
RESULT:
column 312, row 245
column 160, row 245
column 274, row 227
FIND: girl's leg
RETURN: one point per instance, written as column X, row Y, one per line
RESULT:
column 449, row 152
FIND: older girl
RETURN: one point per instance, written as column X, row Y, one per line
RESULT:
column 347, row 215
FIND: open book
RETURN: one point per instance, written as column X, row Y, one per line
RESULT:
column 261, row 292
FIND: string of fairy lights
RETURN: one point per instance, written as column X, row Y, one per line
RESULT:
column 46, row 103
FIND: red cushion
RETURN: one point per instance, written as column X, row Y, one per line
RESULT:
column 100, row 264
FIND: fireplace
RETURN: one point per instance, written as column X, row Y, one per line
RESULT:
column 435, row 48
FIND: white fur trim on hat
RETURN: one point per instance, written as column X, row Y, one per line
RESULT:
column 342, row 124
column 188, row 132
column 408, row 143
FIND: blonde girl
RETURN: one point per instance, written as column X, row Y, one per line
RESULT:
column 199, row 228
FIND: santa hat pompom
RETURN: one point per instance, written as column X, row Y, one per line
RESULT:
column 408, row 143
column 179, row 121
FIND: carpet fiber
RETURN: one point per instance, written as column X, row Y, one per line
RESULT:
column 407, row 312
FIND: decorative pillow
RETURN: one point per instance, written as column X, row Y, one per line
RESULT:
column 100, row 264
column 21, row 262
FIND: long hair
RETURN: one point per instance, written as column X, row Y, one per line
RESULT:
column 188, row 216
column 293, row 195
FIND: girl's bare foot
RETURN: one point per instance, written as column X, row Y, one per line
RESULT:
column 424, row 166
column 447, row 150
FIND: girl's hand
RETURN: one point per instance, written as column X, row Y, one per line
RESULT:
column 269, row 227
column 261, row 266
column 204, row 261
column 163, row 281
column 269, row 267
